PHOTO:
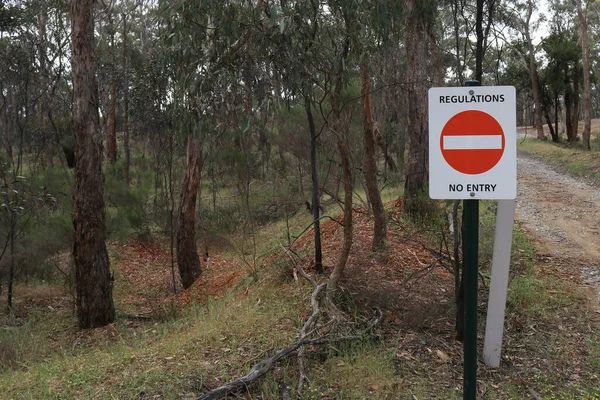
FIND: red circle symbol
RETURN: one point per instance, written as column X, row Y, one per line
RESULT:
column 472, row 142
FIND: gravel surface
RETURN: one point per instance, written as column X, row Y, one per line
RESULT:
column 565, row 212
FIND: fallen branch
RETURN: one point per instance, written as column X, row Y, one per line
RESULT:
column 260, row 369
column 289, row 252
column 304, row 333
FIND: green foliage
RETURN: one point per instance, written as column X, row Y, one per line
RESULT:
column 425, row 209
column 127, row 211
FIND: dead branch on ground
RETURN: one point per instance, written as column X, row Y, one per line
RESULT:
column 306, row 338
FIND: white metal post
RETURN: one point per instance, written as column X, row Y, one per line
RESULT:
column 494, row 326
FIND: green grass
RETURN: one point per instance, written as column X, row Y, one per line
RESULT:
column 44, row 356
column 212, row 343
column 170, row 359
column 568, row 157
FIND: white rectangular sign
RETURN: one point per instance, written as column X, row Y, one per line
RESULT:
column 472, row 142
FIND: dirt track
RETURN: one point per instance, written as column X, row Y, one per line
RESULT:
column 565, row 214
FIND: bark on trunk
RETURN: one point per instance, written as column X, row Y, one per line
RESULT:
column 553, row 134
column 315, row 184
column 587, row 106
column 92, row 267
column 417, row 161
column 188, row 261
column 536, row 94
column 575, row 110
column 343, row 148
column 111, row 137
column 479, row 41
column 571, row 134
column 48, row 143
column 126, row 147
column 370, row 160
column 111, row 125
column 556, row 138
column 533, row 75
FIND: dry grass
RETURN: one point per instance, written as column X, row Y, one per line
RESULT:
column 214, row 332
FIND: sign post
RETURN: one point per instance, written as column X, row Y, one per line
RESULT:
column 471, row 255
column 472, row 156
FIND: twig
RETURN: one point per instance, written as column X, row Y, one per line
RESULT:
column 534, row 394
column 304, row 332
column 289, row 253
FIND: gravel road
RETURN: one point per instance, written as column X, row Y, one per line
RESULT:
column 565, row 213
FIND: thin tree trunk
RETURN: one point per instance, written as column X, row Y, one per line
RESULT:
column 187, row 252
column 571, row 134
column 536, row 94
column 315, row 184
column 111, row 137
column 342, row 144
column 438, row 76
column 457, row 37
column 587, row 105
column 111, row 134
column 47, row 149
column 171, row 201
column 479, row 41
column 11, row 272
column 575, row 110
column 533, row 75
column 126, row 146
column 370, row 160
column 418, row 140
column 94, row 282
column 556, row 139
column 553, row 134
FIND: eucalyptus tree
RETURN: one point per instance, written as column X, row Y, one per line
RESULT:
column 94, row 282
column 564, row 61
column 418, row 16
column 301, row 49
column 206, row 42
column 587, row 107
column 520, row 15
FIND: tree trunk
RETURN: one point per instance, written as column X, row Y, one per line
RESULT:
column 553, row 134
column 92, row 267
column 438, row 75
column 533, row 75
column 187, row 252
column 536, row 94
column 479, row 41
column 575, row 110
column 587, row 105
column 556, row 100
column 126, row 106
column 571, row 135
column 370, row 160
column 48, row 142
column 345, row 155
column 457, row 37
column 11, row 271
column 418, row 140
column 111, row 137
column 315, row 184
column 111, row 125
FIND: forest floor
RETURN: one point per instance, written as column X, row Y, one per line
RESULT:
column 166, row 346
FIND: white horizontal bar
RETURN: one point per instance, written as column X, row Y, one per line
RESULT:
column 473, row 142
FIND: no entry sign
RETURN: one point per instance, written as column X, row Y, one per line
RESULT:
column 472, row 143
